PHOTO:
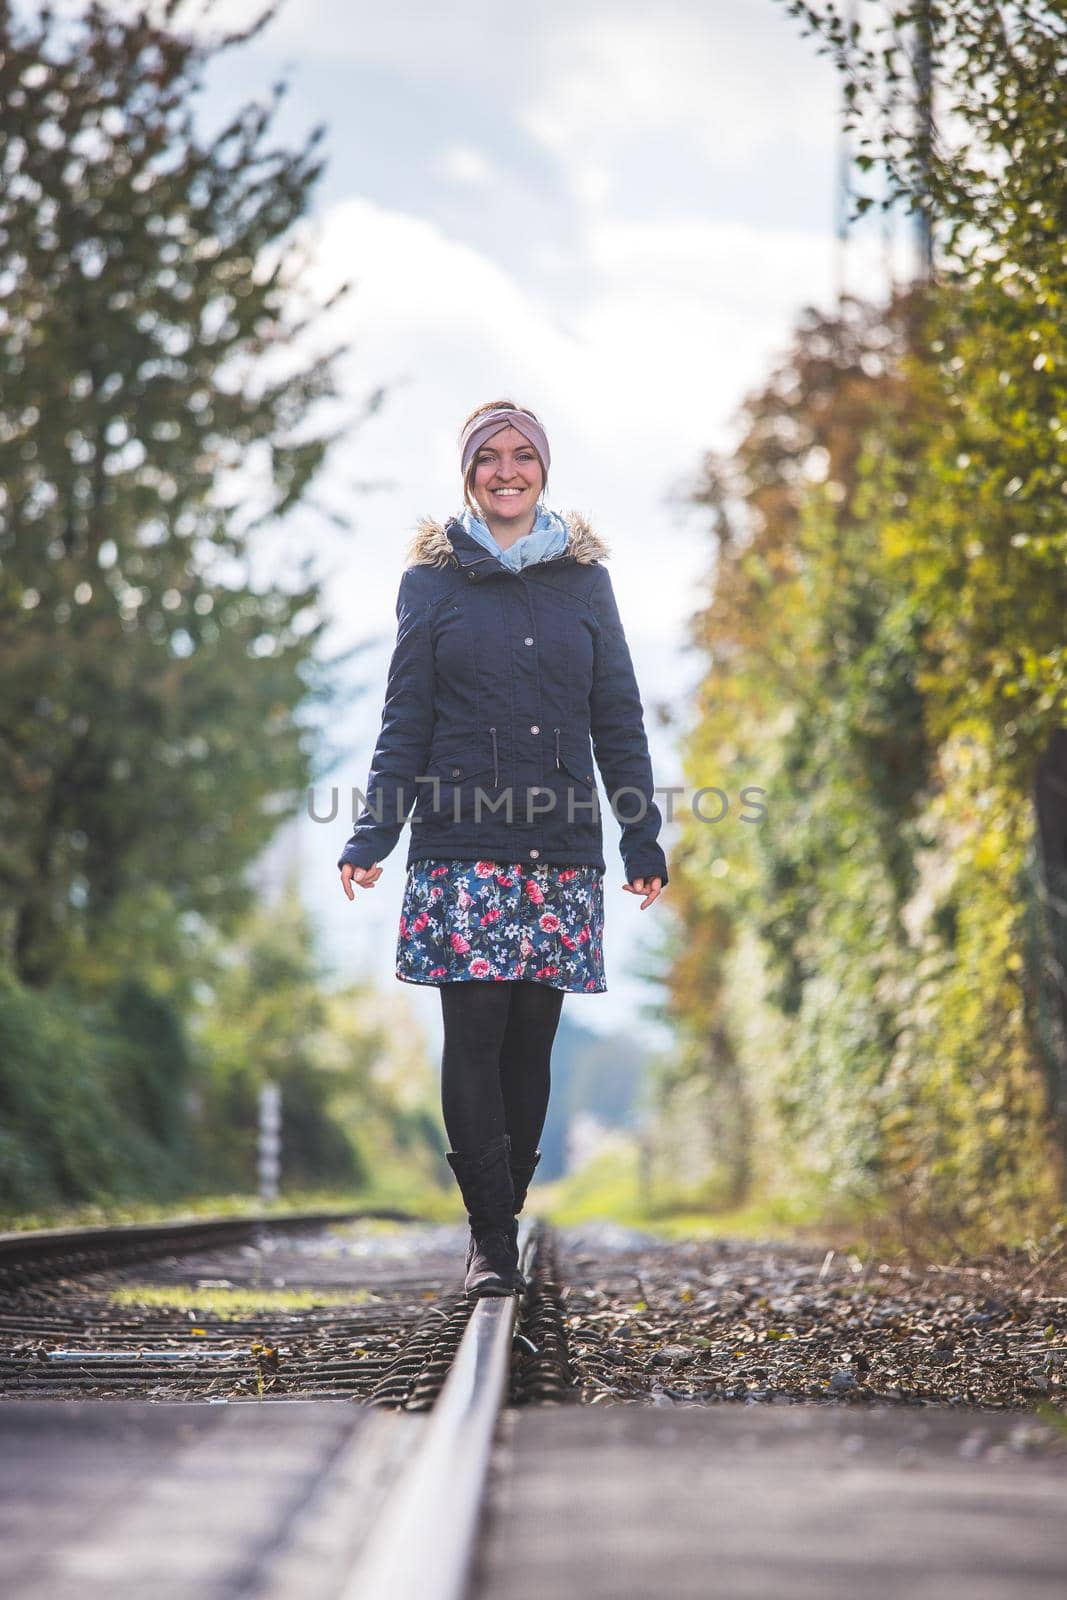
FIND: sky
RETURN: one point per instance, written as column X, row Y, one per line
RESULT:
column 612, row 213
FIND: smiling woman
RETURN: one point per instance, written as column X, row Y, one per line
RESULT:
column 511, row 670
column 506, row 473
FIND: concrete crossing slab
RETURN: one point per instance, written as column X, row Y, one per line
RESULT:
column 133, row 1499
column 631, row 1502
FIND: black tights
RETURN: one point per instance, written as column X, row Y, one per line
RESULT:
column 495, row 1064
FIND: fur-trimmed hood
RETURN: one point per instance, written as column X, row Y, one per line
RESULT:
column 430, row 544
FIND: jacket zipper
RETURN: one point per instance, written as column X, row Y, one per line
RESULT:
column 496, row 774
column 556, row 732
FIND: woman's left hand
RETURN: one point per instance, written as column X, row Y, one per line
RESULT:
column 654, row 885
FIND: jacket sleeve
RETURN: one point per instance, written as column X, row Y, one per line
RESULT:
column 619, row 742
column 403, row 746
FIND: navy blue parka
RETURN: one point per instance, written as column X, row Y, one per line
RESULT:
column 499, row 683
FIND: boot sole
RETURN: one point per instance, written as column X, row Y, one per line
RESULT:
column 497, row 1290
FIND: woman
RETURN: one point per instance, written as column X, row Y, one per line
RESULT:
column 510, row 658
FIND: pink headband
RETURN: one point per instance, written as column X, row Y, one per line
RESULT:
column 487, row 423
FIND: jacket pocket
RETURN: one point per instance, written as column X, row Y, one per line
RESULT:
column 446, row 796
column 577, row 763
column 460, row 765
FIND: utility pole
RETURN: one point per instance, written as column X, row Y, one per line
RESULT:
column 842, row 198
column 924, row 116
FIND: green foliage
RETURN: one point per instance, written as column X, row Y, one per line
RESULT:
column 264, row 1018
column 987, row 76
column 810, row 696
column 109, row 1093
column 88, row 1109
column 993, row 537
column 972, row 1140
column 161, row 400
column 886, row 658
column 166, row 401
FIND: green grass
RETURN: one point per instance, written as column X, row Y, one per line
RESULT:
column 229, row 1304
column 423, row 1201
column 607, row 1186
column 610, row 1186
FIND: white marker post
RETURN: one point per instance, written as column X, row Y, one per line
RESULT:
column 270, row 1141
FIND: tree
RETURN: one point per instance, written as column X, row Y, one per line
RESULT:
column 810, row 696
column 160, row 405
column 888, row 658
column 989, row 546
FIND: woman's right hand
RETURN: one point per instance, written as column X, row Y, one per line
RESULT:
column 366, row 877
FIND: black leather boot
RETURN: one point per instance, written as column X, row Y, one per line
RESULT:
column 522, row 1170
column 484, row 1178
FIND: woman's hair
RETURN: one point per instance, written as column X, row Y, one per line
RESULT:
column 493, row 405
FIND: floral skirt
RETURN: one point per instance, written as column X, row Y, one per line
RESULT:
column 493, row 920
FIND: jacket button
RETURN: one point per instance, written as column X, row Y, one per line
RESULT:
column 534, row 728
column 535, row 851
column 527, row 641
column 470, row 575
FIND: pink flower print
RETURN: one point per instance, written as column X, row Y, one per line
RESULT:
column 548, row 923
column 420, row 921
column 478, row 967
column 546, row 972
column 404, row 929
column 504, row 881
column 535, row 892
column 438, row 972
column 572, row 944
column 567, row 873
column 436, row 892
column 464, row 899
column 485, row 869
column 459, row 944
column 438, row 871
column 525, row 946
column 490, row 917
column 591, row 983
column 583, row 937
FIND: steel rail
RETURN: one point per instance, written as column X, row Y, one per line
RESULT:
column 45, row 1250
column 423, row 1541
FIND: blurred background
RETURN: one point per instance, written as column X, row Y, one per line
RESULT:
column 786, row 284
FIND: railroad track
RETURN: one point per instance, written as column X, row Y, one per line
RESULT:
column 442, row 1490
column 329, row 1321
column 453, row 1475
column 78, row 1322
column 35, row 1254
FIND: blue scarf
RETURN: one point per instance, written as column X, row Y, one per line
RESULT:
column 548, row 537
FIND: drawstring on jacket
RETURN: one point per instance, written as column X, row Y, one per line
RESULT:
column 556, row 732
column 496, row 774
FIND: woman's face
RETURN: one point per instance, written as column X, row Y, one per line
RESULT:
column 507, row 476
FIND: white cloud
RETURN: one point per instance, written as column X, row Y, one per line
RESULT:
column 680, row 321
column 468, row 38
column 732, row 77
column 727, row 81
column 462, row 163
